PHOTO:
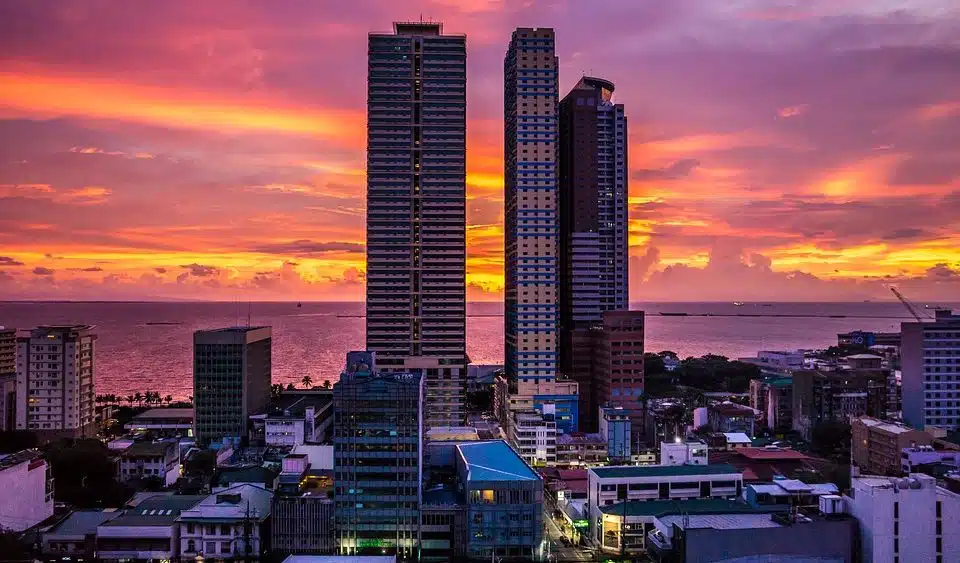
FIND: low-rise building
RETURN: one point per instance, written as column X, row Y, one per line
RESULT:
column 302, row 517
column 686, row 452
column 731, row 417
column 163, row 422
column 227, row 524
column 27, row 497
column 777, row 362
column 878, row 444
column 145, row 532
column 905, row 519
column 230, row 477
column 787, row 493
column 74, row 537
column 734, row 440
column 300, row 417
column 443, row 525
column 760, row 465
column 913, row 460
column 143, row 460
column 746, row 536
column 666, row 420
column 581, row 449
column 504, row 498
column 534, row 437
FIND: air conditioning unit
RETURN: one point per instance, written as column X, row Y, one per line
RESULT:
column 831, row 504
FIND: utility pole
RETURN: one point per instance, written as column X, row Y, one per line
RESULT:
column 247, row 548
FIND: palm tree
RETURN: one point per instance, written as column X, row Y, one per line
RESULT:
column 131, row 398
column 307, row 381
column 168, row 399
column 138, row 398
column 326, row 383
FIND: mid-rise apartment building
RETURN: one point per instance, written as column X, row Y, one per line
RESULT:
column 930, row 360
column 877, row 444
column 55, row 381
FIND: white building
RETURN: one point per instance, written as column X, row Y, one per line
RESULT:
column 930, row 358
column 223, row 524
column 55, row 379
column 534, row 437
column 777, row 361
column 905, row 520
column 27, row 490
column 145, row 532
column 684, row 453
column 143, row 460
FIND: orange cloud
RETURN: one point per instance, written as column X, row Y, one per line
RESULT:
column 792, row 111
column 54, row 96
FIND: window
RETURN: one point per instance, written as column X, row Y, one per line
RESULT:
column 939, row 509
column 191, row 546
column 224, row 547
column 211, row 547
column 224, row 530
column 896, row 510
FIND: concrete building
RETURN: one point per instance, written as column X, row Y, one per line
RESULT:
column 228, row 524
column 581, row 449
column 145, row 532
column 531, row 77
column 777, row 362
column 607, row 486
column 684, row 452
column 163, row 422
column 505, row 503
column 8, row 378
column 534, row 437
column 864, row 362
column 746, row 536
column 558, row 398
column 877, row 444
column 665, row 421
column 144, row 460
column 773, row 398
column 231, row 380
column 731, row 417
column 302, row 517
column 55, row 381
column 416, row 210
column 618, row 375
column 930, row 361
column 27, row 487
column 378, row 458
column 616, row 429
column 299, row 417
column 916, row 459
column 443, row 524
column 905, row 519
column 74, row 537
column 836, row 396
column 592, row 205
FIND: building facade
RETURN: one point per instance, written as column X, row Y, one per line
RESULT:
column 618, row 378
column 378, row 458
column 148, row 531
column 615, row 427
column 55, row 381
column 228, row 525
column 8, row 378
column 27, row 487
column 534, row 437
column 231, row 380
column 143, row 460
column 877, row 444
column 592, row 202
column 416, row 210
column 836, row 396
column 531, row 78
column 905, row 519
column 930, row 361
column 504, row 503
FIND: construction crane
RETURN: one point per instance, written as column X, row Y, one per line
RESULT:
column 907, row 304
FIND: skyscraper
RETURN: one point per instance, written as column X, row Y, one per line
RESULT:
column 593, row 227
column 231, row 380
column 55, row 381
column 530, row 206
column 930, row 360
column 378, row 459
column 416, row 210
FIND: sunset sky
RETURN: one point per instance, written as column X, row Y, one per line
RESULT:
column 214, row 149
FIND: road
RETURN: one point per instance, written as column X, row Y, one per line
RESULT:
column 558, row 551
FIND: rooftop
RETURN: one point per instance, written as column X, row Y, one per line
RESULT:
column 863, row 357
column 10, row 460
column 731, row 409
column 892, row 427
column 740, row 521
column 340, row 559
column 737, row 438
column 159, row 510
column 144, row 449
column 171, row 413
column 238, row 329
column 659, row 508
column 580, row 438
column 82, row 522
column 231, row 505
column 494, row 461
column 663, row 470
column 785, row 487
column 253, row 474
column 771, row 453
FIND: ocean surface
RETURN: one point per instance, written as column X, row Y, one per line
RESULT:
column 148, row 346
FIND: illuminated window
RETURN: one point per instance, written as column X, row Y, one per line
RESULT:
column 487, row 495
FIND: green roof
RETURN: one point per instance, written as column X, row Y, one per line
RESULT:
column 658, row 508
column 663, row 470
column 781, row 382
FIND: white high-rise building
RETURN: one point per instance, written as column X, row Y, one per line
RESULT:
column 55, row 381
column 905, row 520
column 930, row 357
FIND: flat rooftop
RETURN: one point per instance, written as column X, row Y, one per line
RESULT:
column 660, row 508
column 171, row 413
column 494, row 461
column 155, row 449
column 340, row 559
column 627, row 471
column 721, row 521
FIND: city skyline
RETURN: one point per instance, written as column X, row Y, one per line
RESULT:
column 194, row 152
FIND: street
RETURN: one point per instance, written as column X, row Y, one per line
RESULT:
column 557, row 550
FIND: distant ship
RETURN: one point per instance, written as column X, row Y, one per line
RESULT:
column 738, row 303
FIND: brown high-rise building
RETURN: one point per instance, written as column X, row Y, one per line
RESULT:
column 618, row 366
column 592, row 254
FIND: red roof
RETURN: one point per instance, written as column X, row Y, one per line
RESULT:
column 761, row 454
column 573, row 474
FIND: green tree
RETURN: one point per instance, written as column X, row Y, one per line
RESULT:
column 653, row 364
column 83, row 471
column 201, row 464
column 831, row 439
column 13, row 441
column 307, row 381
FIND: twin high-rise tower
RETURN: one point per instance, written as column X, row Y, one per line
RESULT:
column 565, row 230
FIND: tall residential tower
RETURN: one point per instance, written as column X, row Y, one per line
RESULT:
column 416, row 210
column 593, row 227
column 930, row 360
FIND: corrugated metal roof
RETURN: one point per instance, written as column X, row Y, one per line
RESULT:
column 663, row 470
column 494, row 461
